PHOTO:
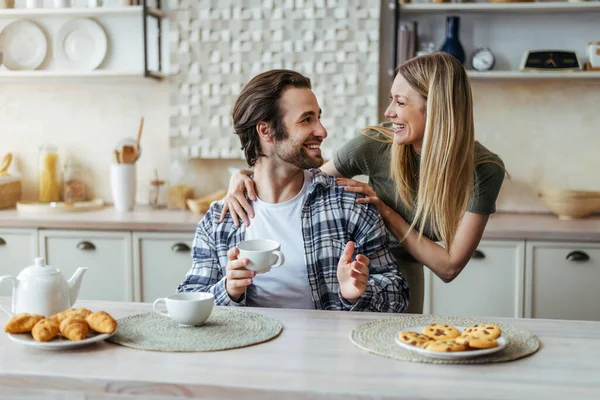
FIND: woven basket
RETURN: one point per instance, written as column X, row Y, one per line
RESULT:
column 10, row 191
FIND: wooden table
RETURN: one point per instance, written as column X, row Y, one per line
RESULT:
column 312, row 358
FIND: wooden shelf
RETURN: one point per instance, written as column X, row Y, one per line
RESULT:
column 500, row 7
column 72, row 12
column 521, row 75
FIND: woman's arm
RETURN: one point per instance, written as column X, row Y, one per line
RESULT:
column 445, row 265
column 240, row 183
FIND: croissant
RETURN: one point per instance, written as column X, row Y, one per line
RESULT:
column 45, row 330
column 101, row 322
column 71, row 312
column 22, row 323
column 74, row 328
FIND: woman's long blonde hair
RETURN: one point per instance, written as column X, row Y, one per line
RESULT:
column 446, row 172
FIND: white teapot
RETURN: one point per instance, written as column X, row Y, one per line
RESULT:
column 40, row 289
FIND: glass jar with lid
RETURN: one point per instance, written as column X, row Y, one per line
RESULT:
column 73, row 182
column 49, row 184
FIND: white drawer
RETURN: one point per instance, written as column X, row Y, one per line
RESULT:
column 107, row 255
column 162, row 259
column 563, row 280
column 490, row 285
column 18, row 248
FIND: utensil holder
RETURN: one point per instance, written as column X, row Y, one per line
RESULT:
column 123, row 185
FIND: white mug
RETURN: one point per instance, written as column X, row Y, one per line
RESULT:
column 261, row 254
column 187, row 309
column 123, row 186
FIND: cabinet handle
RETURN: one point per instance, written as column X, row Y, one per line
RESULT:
column 2, row 242
column 180, row 248
column 478, row 255
column 85, row 246
column 578, row 256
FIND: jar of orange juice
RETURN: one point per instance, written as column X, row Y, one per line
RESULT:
column 49, row 174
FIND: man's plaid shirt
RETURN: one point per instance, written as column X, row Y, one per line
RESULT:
column 330, row 218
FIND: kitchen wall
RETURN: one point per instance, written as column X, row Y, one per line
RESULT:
column 85, row 121
column 547, row 133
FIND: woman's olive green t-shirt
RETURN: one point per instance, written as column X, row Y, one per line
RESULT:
column 363, row 155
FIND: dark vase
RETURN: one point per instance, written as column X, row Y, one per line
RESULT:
column 452, row 45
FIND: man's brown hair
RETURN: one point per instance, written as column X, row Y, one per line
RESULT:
column 260, row 101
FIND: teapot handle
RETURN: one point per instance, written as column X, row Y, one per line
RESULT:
column 14, row 281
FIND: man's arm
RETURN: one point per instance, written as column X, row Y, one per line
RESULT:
column 206, row 274
column 386, row 289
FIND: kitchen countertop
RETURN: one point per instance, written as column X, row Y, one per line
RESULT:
column 504, row 226
column 319, row 362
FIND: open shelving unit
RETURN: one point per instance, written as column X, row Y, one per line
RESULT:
column 510, row 29
column 563, row 6
column 135, row 36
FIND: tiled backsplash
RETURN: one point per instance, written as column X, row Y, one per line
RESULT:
column 217, row 46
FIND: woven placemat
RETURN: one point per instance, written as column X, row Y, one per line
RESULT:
column 226, row 328
column 379, row 336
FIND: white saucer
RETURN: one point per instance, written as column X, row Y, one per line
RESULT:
column 455, row 355
column 59, row 342
column 24, row 45
column 81, row 44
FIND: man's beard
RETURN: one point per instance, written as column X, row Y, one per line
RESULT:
column 295, row 154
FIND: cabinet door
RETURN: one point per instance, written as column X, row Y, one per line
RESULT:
column 18, row 248
column 107, row 255
column 562, row 281
column 490, row 285
column 162, row 260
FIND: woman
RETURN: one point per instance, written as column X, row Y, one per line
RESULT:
column 428, row 177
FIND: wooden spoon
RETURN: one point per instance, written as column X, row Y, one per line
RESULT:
column 128, row 154
column 139, row 135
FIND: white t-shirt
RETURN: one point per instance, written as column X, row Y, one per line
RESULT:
column 286, row 286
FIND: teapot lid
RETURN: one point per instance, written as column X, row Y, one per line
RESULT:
column 39, row 267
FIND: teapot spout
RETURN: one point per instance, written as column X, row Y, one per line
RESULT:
column 75, row 283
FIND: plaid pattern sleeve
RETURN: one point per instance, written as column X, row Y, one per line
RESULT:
column 209, row 256
column 387, row 290
column 332, row 218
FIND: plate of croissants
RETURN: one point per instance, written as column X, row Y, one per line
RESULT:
column 69, row 329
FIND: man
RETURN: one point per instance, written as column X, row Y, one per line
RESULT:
column 319, row 225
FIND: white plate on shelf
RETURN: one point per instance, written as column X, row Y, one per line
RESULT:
column 59, row 342
column 81, row 45
column 456, row 355
column 23, row 45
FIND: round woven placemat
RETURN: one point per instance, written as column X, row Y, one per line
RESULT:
column 379, row 336
column 226, row 328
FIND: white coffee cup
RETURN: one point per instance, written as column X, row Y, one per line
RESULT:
column 187, row 309
column 262, row 254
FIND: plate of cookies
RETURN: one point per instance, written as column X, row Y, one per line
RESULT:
column 452, row 342
column 69, row 329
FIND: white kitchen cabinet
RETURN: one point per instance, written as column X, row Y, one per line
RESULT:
column 490, row 285
column 107, row 255
column 162, row 260
column 18, row 248
column 562, row 280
